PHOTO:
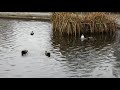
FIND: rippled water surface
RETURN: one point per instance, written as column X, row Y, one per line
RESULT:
column 69, row 56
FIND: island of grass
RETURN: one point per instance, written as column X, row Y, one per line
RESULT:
column 76, row 24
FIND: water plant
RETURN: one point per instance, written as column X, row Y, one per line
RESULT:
column 71, row 23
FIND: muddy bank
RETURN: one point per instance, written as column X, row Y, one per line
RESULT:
column 26, row 15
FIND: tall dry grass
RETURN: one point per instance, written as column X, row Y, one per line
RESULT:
column 91, row 22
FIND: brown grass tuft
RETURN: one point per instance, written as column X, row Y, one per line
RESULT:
column 92, row 22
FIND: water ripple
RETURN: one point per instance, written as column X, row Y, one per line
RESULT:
column 69, row 56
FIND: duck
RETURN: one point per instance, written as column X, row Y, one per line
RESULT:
column 47, row 53
column 91, row 39
column 83, row 38
column 24, row 52
column 32, row 33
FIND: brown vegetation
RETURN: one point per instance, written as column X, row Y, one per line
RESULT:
column 91, row 22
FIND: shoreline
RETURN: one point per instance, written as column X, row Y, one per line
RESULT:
column 42, row 16
column 26, row 15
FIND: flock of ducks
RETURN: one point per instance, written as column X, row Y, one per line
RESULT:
column 25, row 52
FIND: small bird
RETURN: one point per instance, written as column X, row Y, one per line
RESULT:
column 32, row 33
column 24, row 52
column 83, row 38
column 47, row 53
column 91, row 39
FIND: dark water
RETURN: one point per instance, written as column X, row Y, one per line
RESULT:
column 69, row 56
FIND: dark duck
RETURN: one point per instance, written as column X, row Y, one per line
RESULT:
column 91, row 39
column 32, row 33
column 47, row 53
column 24, row 52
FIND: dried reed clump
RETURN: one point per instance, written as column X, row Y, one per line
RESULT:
column 75, row 23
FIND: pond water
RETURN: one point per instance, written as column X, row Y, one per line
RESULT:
column 70, row 57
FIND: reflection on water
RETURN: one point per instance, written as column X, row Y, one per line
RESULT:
column 70, row 57
column 116, row 68
column 88, row 58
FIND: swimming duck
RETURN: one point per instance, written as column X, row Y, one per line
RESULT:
column 47, row 53
column 32, row 33
column 24, row 52
column 91, row 38
column 83, row 38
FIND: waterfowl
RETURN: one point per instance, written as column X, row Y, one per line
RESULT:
column 47, row 53
column 83, row 38
column 32, row 33
column 91, row 38
column 24, row 52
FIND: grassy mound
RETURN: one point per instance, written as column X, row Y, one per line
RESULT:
column 92, row 22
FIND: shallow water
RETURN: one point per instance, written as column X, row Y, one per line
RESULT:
column 69, row 56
